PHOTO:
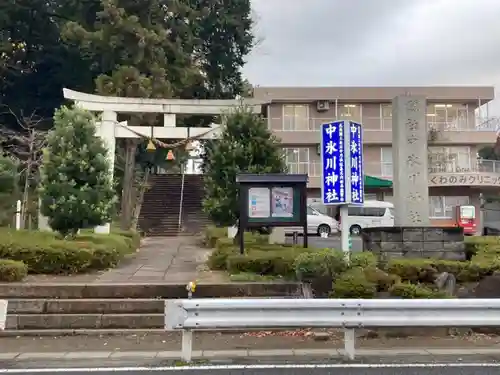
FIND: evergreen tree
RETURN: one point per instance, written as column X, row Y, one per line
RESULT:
column 225, row 35
column 144, row 49
column 246, row 146
column 77, row 189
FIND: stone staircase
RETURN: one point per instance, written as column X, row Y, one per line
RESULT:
column 58, row 309
column 194, row 220
column 161, row 207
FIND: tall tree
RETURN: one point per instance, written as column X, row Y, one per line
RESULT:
column 225, row 33
column 34, row 64
column 145, row 48
column 246, row 145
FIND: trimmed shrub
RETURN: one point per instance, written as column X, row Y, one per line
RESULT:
column 479, row 244
column 383, row 280
column 311, row 265
column 44, row 253
column 212, row 234
column 353, row 284
column 363, row 260
column 413, row 291
column 124, row 245
column 271, row 260
column 426, row 270
column 262, row 263
column 134, row 236
column 11, row 270
column 413, row 270
column 218, row 258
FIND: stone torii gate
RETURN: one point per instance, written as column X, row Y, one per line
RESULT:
column 109, row 129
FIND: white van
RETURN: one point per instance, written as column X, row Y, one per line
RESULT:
column 371, row 214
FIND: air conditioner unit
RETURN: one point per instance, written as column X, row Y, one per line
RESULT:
column 322, row 105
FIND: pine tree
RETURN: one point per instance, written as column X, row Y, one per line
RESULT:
column 245, row 146
column 77, row 189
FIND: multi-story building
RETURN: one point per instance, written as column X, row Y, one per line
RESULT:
column 456, row 133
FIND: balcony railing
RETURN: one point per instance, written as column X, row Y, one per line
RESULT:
column 384, row 169
column 281, row 124
column 479, row 166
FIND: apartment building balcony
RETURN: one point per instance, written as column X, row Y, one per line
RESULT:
column 378, row 131
column 477, row 173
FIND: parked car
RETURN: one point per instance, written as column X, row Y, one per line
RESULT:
column 317, row 223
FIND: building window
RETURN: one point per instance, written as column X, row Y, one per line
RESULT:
column 386, row 162
column 386, row 116
column 296, row 117
column 442, row 207
column 350, row 112
column 449, row 159
column 447, row 116
column 297, row 160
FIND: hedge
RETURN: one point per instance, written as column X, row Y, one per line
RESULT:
column 263, row 262
column 45, row 253
column 225, row 246
column 413, row 291
column 354, row 284
column 363, row 277
column 368, row 283
column 484, row 263
column 11, row 270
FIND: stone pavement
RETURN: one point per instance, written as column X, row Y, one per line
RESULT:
column 164, row 259
column 160, row 259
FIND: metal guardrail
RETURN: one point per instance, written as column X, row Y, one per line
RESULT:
column 188, row 315
column 3, row 313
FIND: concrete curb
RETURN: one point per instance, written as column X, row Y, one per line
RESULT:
column 230, row 354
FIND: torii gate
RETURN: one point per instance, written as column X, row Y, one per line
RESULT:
column 109, row 129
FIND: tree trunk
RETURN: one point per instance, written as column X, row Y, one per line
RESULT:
column 143, row 186
column 24, row 201
column 127, row 203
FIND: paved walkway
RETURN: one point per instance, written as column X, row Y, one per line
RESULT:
column 160, row 259
column 163, row 259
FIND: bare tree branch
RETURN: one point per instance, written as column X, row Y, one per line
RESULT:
column 26, row 146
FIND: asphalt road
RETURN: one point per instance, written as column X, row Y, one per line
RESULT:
column 332, row 242
column 279, row 370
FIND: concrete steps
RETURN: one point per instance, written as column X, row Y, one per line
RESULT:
column 55, row 309
column 85, row 306
column 29, row 314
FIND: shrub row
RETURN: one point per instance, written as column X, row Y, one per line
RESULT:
column 12, row 270
column 362, row 278
column 45, row 253
column 371, row 282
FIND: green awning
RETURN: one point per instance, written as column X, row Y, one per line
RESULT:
column 375, row 182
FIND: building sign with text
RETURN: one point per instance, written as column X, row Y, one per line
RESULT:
column 464, row 179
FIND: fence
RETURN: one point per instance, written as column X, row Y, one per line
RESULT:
column 189, row 315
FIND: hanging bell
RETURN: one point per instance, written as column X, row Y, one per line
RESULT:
column 151, row 146
column 170, row 155
column 189, row 146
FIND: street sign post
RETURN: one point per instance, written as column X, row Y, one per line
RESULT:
column 342, row 175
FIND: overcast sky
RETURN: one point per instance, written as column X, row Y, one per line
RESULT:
column 377, row 43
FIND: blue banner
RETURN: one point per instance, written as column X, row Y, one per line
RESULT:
column 333, row 176
column 356, row 163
